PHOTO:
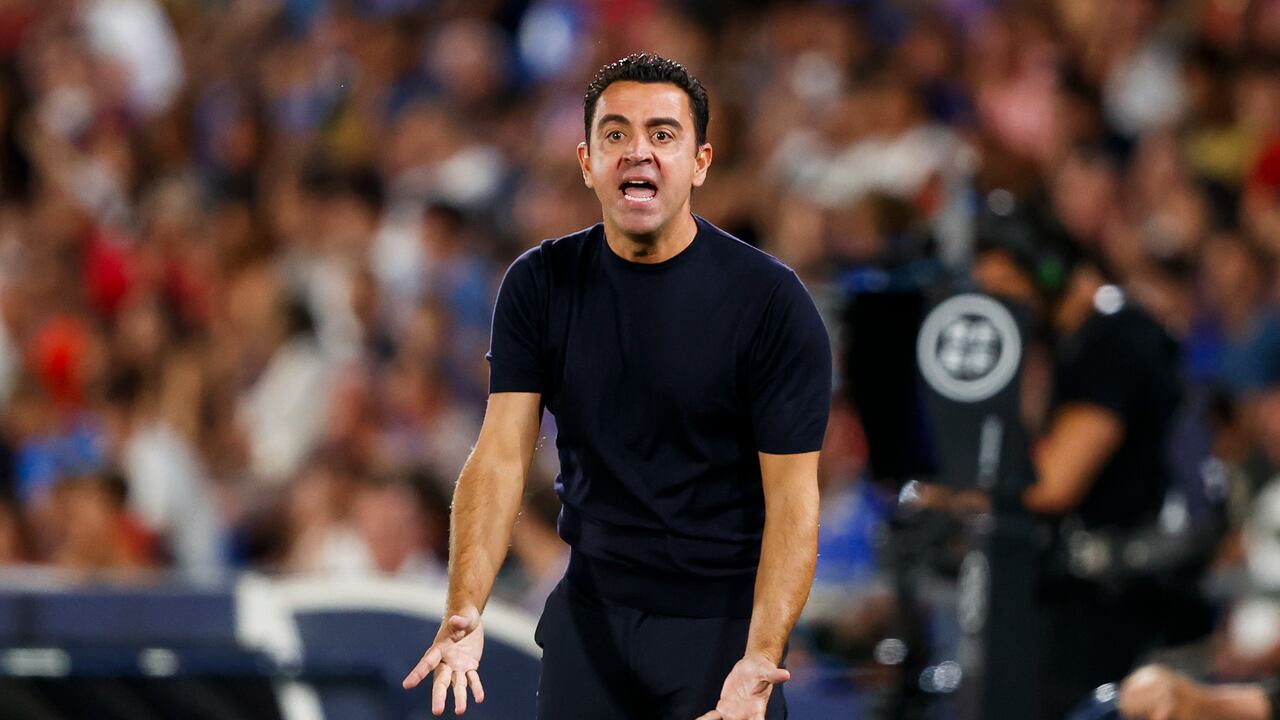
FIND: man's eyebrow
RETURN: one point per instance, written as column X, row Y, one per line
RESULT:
column 613, row 118
column 652, row 122
column 656, row 122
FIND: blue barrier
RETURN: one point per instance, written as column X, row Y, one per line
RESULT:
column 289, row 649
column 329, row 648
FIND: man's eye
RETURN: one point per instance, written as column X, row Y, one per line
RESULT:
column 615, row 135
column 662, row 136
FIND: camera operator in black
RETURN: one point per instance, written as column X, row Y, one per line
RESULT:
column 1101, row 463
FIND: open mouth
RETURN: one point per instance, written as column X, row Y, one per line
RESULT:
column 639, row 190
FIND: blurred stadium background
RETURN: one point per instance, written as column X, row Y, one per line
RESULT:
column 249, row 250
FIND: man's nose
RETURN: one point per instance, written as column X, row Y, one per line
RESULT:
column 638, row 151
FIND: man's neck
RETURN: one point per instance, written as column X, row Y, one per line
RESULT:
column 663, row 245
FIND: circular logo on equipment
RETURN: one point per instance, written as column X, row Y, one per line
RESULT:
column 969, row 348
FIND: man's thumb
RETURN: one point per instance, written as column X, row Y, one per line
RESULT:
column 777, row 676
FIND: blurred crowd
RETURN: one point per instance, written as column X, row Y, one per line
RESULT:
column 249, row 248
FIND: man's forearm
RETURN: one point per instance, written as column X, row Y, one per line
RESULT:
column 485, row 504
column 787, row 557
column 1232, row 702
column 1157, row 691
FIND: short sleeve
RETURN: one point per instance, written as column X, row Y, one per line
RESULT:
column 790, row 373
column 1108, row 367
column 519, row 324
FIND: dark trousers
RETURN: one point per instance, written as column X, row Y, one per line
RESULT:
column 613, row 663
column 1090, row 638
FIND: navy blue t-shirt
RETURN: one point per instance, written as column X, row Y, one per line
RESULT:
column 666, row 380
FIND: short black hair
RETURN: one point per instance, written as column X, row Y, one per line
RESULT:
column 1029, row 235
column 648, row 68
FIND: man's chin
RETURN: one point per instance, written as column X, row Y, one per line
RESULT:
column 639, row 228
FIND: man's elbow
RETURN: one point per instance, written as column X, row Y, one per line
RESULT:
column 1046, row 499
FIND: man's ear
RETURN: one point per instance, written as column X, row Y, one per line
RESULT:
column 702, row 162
column 584, row 163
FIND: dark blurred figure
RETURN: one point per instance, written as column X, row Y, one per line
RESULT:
column 893, row 276
column 543, row 556
column 892, row 279
column 1101, row 463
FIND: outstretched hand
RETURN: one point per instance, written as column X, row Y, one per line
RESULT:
column 746, row 690
column 1154, row 692
column 455, row 658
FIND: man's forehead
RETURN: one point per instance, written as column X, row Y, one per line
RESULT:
column 638, row 102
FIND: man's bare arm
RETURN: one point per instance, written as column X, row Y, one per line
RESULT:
column 787, row 556
column 789, row 550
column 1080, row 441
column 1234, row 702
column 487, row 497
column 485, row 504
column 1154, row 692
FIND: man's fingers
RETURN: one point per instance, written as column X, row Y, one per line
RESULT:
column 459, row 693
column 477, row 689
column 429, row 661
column 440, row 690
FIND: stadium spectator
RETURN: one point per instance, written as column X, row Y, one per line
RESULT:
column 95, row 531
column 543, row 556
